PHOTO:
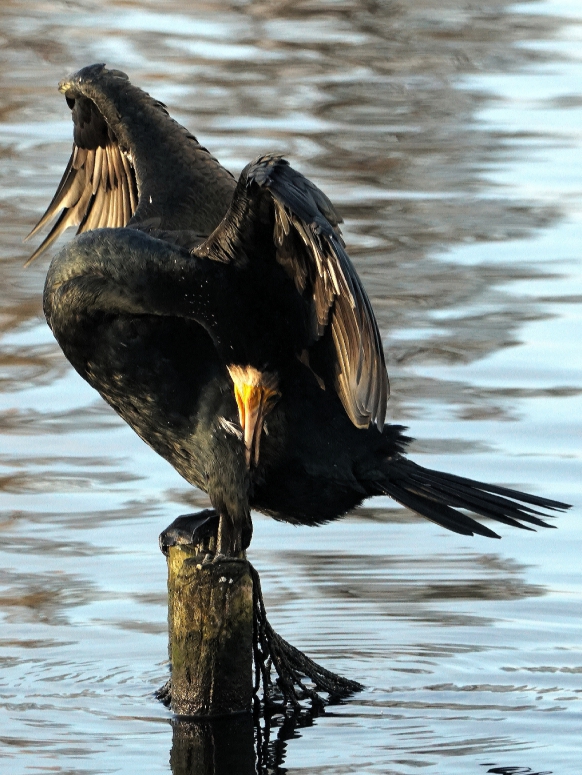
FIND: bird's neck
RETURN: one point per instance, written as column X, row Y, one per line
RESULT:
column 162, row 150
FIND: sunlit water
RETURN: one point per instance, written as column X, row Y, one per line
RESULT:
column 449, row 136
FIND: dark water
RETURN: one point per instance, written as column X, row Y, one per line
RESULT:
column 449, row 136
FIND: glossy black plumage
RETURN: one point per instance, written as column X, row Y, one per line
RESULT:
column 209, row 273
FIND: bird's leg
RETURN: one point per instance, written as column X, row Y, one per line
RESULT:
column 226, row 542
column 234, row 534
column 228, row 484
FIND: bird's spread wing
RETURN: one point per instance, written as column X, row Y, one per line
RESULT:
column 308, row 244
column 99, row 186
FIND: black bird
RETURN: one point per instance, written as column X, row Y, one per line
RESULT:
column 225, row 323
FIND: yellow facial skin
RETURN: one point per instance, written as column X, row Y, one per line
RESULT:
column 256, row 393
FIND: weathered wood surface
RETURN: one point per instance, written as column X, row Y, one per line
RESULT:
column 210, row 617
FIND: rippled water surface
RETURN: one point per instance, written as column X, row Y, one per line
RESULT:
column 449, row 136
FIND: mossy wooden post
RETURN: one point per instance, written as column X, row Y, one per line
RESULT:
column 210, row 617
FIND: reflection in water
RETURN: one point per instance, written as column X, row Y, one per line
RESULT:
column 449, row 138
column 245, row 744
column 218, row 747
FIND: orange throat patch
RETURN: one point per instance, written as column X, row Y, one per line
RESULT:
column 256, row 394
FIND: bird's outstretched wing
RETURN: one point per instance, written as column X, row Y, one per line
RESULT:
column 131, row 164
column 99, row 186
column 303, row 225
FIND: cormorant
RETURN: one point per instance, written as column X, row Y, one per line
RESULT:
column 225, row 323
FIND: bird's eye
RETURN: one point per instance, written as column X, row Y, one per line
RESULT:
column 70, row 102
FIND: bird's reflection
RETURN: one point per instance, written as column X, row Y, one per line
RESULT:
column 245, row 744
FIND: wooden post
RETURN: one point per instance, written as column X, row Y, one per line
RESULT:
column 210, row 617
column 213, row 606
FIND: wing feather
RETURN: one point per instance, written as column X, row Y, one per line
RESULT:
column 97, row 169
column 337, row 294
column 99, row 185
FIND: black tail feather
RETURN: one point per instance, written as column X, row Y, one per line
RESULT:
column 474, row 495
column 437, row 496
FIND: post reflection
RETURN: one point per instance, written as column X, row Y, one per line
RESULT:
column 245, row 744
column 213, row 747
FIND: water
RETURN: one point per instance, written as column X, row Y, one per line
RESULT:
column 449, row 137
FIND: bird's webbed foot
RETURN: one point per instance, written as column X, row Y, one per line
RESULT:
column 199, row 528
